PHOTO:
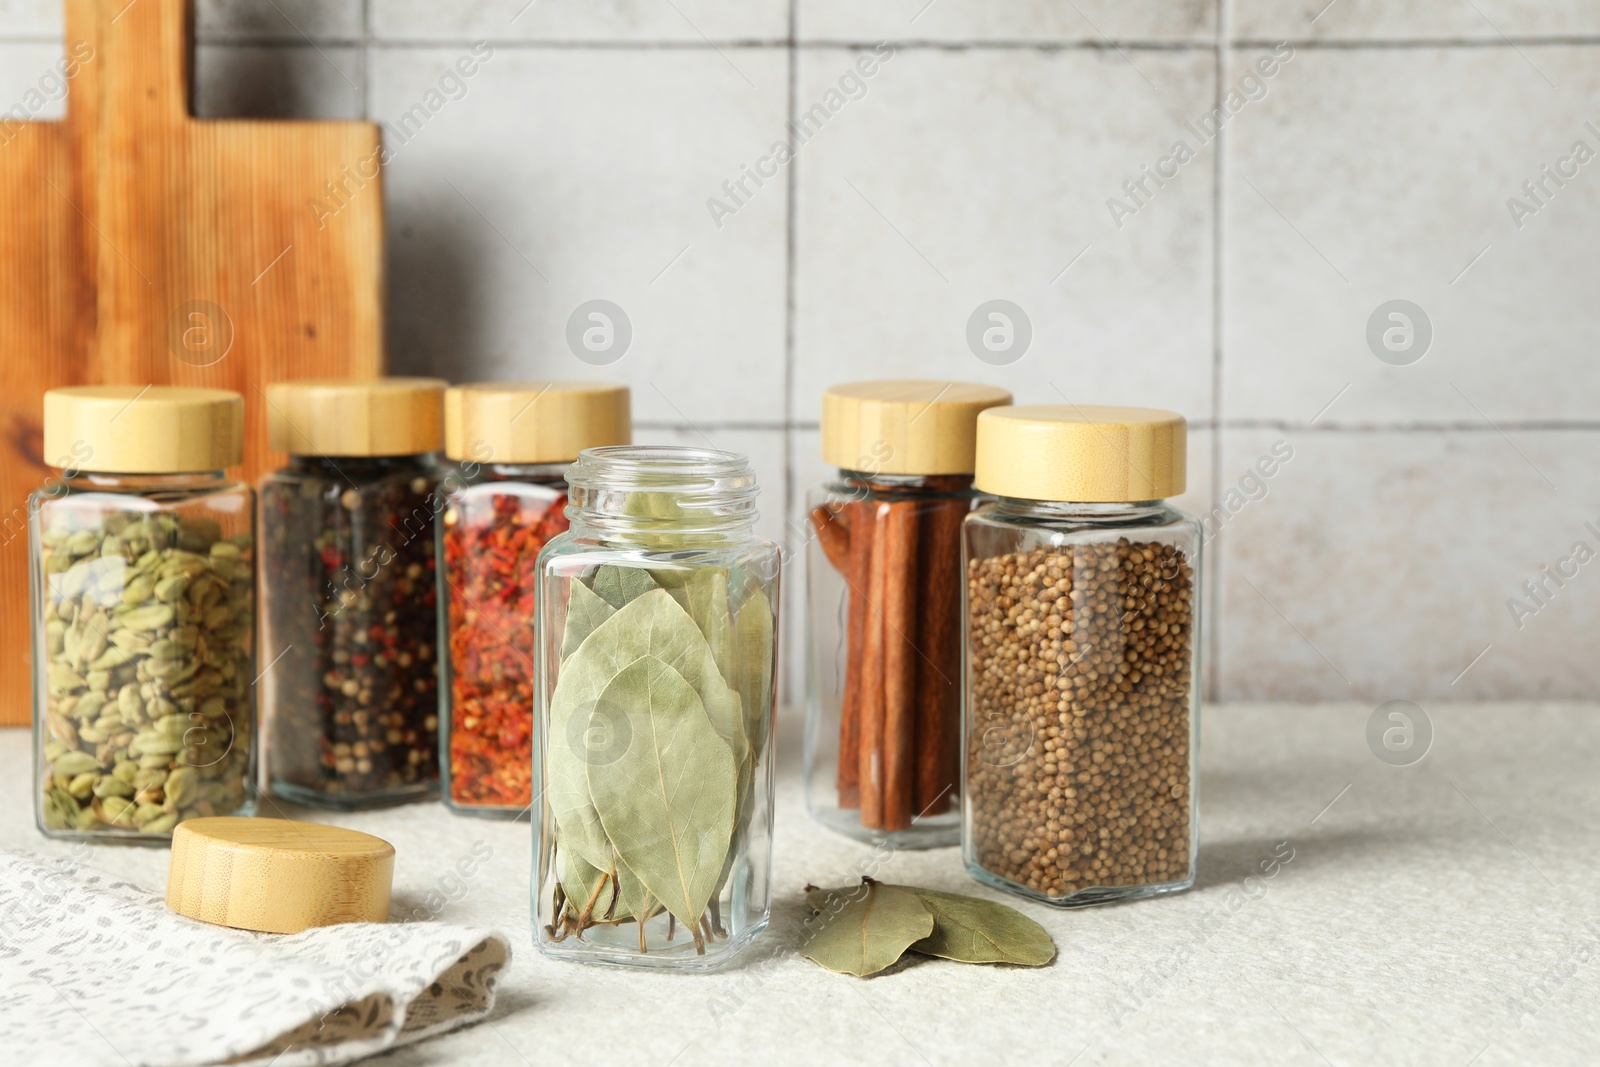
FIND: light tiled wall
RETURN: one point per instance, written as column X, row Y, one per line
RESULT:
column 976, row 162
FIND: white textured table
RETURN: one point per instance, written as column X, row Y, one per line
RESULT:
column 1443, row 913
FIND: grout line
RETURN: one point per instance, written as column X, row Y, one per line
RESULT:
column 791, row 192
column 1296, row 425
column 820, row 44
column 710, row 427
column 366, row 61
column 1211, row 603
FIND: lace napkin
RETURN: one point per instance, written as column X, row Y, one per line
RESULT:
column 96, row 970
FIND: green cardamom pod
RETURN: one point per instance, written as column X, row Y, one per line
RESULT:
column 160, row 825
column 139, row 590
column 149, row 617
column 83, row 542
column 82, row 784
column 182, row 785
column 112, row 786
column 172, row 587
column 117, row 810
column 73, row 764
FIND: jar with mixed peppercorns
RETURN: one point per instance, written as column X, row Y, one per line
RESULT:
column 143, row 568
column 1082, row 675
column 349, row 686
column 505, row 498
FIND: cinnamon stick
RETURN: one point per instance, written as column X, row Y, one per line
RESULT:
column 900, row 657
column 846, row 539
column 871, row 654
column 938, row 725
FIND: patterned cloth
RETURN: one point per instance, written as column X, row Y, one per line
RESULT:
column 95, row 970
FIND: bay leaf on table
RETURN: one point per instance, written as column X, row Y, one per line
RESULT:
column 965, row 929
column 862, row 932
column 650, row 625
column 973, row 930
column 586, row 610
column 667, row 803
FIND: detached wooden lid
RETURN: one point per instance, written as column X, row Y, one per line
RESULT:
column 904, row 427
column 352, row 417
column 1082, row 453
column 144, row 429
column 277, row 876
column 534, row 422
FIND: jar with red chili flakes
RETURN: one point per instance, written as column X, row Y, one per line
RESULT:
column 506, row 496
column 350, row 623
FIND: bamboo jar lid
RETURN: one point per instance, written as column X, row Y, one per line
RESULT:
column 904, row 427
column 277, row 876
column 534, row 422
column 350, row 417
column 148, row 429
column 1082, row 454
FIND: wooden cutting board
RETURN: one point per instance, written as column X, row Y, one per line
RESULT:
column 141, row 245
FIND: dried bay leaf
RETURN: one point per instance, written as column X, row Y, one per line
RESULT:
column 667, row 803
column 753, row 648
column 707, row 595
column 586, row 610
column 863, row 930
column 965, row 929
column 618, row 585
column 973, row 930
column 650, row 625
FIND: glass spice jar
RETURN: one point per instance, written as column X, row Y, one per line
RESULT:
column 883, row 694
column 1082, row 658
column 658, row 635
column 143, row 602
column 350, row 626
column 506, row 497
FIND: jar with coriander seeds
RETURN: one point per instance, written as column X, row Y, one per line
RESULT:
column 143, row 604
column 657, row 632
column 506, row 497
column 350, row 624
column 883, row 692
column 1082, row 657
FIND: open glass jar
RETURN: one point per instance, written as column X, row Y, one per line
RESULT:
column 350, row 626
column 143, row 607
column 1082, row 666
column 506, row 497
column 658, row 632
column 883, row 696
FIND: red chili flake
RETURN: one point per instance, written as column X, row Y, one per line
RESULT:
column 490, row 558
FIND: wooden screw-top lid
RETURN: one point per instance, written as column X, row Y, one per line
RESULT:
column 534, row 422
column 1081, row 453
column 904, row 427
column 144, row 429
column 352, row 417
column 277, row 876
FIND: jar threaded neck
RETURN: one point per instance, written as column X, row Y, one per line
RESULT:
column 661, row 489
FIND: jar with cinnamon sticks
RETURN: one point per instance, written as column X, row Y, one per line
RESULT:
column 505, row 498
column 884, row 596
column 1082, row 638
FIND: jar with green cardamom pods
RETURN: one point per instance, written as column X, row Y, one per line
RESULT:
column 143, row 602
column 657, row 643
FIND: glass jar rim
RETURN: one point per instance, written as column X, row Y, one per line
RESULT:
column 703, row 489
